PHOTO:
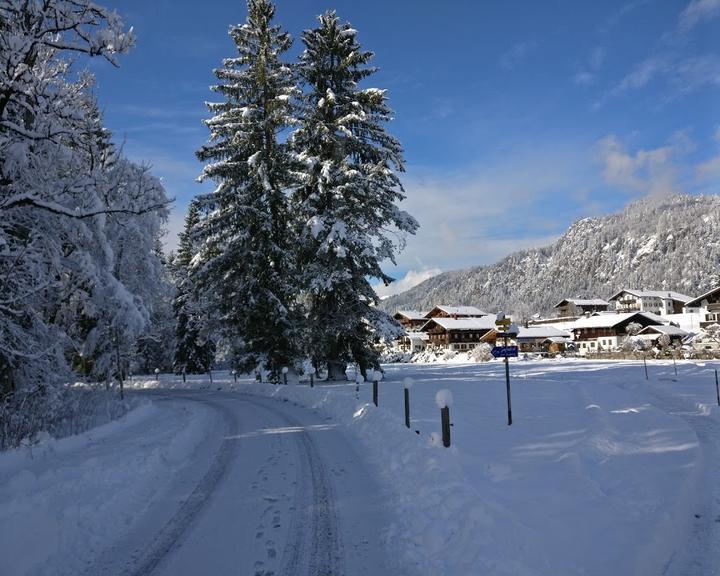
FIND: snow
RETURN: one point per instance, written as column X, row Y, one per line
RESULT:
column 602, row 472
column 444, row 399
column 594, row 477
column 65, row 501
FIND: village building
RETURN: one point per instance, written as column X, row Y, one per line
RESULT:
column 411, row 320
column 414, row 342
column 707, row 306
column 455, row 312
column 653, row 333
column 457, row 333
column 530, row 339
column 576, row 307
column 660, row 302
column 600, row 332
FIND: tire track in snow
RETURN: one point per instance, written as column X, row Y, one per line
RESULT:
column 313, row 546
column 170, row 535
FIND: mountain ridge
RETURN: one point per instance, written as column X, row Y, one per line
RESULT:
column 668, row 243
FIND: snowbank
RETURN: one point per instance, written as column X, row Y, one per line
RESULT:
column 593, row 477
column 55, row 513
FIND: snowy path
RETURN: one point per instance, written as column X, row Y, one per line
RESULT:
column 700, row 555
column 200, row 482
column 277, row 497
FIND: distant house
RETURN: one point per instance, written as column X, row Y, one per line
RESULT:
column 655, row 301
column 530, row 339
column 653, row 333
column 414, row 341
column 455, row 312
column 707, row 306
column 574, row 307
column 411, row 320
column 457, row 333
column 608, row 331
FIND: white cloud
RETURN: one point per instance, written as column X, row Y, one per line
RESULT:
column 587, row 74
column 697, row 11
column 411, row 279
column 488, row 211
column 652, row 171
column 671, row 63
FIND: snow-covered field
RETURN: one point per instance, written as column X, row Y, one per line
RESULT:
column 602, row 472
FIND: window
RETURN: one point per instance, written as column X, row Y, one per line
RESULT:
column 592, row 344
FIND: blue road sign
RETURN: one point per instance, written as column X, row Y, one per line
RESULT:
column 504, row 351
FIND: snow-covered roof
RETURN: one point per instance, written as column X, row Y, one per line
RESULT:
column 584, row 302
column 663, row 294
column 484, row 323
column 557, row 339
column 697, row 301
column 459, row 310
column 411, row 314
column 541, row 332
column 418, row 336
column 610, row 320
column 669, row 330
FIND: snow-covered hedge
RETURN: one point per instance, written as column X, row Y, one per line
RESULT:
column 33, row 413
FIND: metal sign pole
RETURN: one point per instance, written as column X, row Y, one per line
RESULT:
column 507, row 385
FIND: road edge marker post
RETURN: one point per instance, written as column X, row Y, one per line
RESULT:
column 407, row 384
column 717, row 387
column 284, row 373
column 444, row 400
column 311, row 371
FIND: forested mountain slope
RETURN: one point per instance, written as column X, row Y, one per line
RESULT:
column 670, row 243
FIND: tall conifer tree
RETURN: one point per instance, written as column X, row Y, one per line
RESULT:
column 347, row 199
column 194, row 350
column 244, row 256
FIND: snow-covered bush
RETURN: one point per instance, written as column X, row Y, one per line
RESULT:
column 35, row 412
column 481, row 353
column 448, row 355
column 634, row 344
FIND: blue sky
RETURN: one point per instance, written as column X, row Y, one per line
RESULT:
column 516, row 117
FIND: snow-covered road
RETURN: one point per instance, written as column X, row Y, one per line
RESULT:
column 265, row 487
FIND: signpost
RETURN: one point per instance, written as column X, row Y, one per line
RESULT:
column 504, row 351
column 506, row 328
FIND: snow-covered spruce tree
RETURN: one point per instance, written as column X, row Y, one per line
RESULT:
column 245, row 241
column 194, row 350
column 347, row 199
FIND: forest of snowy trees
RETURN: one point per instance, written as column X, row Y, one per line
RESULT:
column 273, row 267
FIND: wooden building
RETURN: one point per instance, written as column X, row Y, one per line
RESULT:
column 576, row 307
column 608, row 331
column 455, row 312
column 458, row 333
column 411, row 320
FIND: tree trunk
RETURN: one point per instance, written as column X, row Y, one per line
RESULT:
column 336, row 370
